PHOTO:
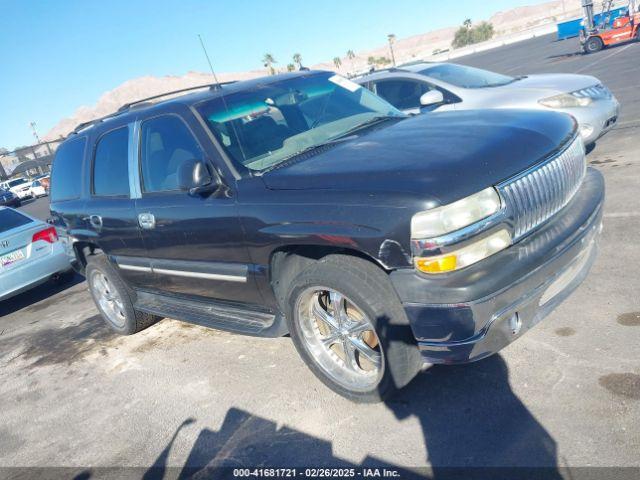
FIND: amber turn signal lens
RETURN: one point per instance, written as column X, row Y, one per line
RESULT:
column 439, row 265
column 465, row 256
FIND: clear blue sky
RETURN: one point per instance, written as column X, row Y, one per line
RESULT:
column 58, row 55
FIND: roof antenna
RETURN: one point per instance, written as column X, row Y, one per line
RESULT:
column 224, row 101
column 209, row 61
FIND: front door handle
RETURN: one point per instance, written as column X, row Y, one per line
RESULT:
column 146, row 221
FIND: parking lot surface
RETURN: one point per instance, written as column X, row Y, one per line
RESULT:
column 177, row 395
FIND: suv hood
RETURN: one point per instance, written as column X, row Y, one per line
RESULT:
column 446, row 156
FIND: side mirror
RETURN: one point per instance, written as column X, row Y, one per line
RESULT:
column 432, row 97
column 196, row 177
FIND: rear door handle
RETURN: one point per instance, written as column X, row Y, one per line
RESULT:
column 146, row 221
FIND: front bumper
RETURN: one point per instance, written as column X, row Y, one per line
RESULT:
column 596, row 119
column 23, row 194
column 470, row 314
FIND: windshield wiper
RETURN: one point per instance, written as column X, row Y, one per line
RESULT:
column 368, row 123
column 337, row 139
column 308, row 149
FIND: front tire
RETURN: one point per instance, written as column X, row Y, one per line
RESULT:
column 593, row 45
column 349, row 327
column 114, row 299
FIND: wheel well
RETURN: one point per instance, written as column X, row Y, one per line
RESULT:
column 288, row 261
column 84, row 250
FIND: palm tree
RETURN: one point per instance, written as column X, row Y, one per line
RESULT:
column 351, row 56
column 337, row 61
column 392, row 39
column 297, row 59
column 291, row 67
column 467, row 23
column 268, row 60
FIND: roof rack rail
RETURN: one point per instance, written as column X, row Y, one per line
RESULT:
column 87, row 124
column 212, row 86
column 127, row 106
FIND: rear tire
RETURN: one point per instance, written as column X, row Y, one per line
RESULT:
column 384, row 356
column 114, row 299
column 593, row 45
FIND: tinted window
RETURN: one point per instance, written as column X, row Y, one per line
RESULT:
column 11, row 219
column 466, row 77
column 402, row 94
column 276, row 120
column 111, row 164
column 166, row 142
column 67, row 170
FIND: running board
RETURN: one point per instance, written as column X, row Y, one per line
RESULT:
column 212, row 314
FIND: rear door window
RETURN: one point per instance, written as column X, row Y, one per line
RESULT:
column 111, row 164
column 166, row 142
column 10, row 219
column 66, row 176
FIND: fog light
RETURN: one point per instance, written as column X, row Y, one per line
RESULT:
column 586, row 130
column 515, row 324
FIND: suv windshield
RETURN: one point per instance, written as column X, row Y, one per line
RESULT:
column 263, row 126
column 466, row 77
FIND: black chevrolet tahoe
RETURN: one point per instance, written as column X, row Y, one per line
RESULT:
column 303, row 204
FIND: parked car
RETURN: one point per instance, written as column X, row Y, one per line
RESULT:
column 19, row 186
column 36, row 189
column 303, row 203
column 45, row 181
column 427, row 87
column 9, row 199
column 30, row 253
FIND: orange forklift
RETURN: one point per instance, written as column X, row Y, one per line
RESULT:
column 594, row 38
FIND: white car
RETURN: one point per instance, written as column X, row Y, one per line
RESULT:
column 19, row 186
column 424, row 87
column 30, row 253
column 36, row 189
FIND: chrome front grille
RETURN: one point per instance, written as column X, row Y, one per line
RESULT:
column 596, row 92
column 539, row 193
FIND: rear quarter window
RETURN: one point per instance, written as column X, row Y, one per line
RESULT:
column 66, row 175
column 10, row 219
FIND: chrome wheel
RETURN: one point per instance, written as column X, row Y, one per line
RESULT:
column 340, row 338
column 107, row 298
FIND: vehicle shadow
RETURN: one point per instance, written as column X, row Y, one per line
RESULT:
column 42, row 292
column 474, row 427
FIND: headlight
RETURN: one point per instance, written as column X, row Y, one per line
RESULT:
column 465, row 256
column 566, row 100
column 456, row 215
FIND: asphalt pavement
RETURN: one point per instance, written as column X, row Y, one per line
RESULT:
column 180, row 396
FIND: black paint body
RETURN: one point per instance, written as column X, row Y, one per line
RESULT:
column 358, row 196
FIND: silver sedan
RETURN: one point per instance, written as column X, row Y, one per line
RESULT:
column 424, row 87
column 30, row 252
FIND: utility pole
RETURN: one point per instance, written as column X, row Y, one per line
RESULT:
column 392, row 38
column 35, row 134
